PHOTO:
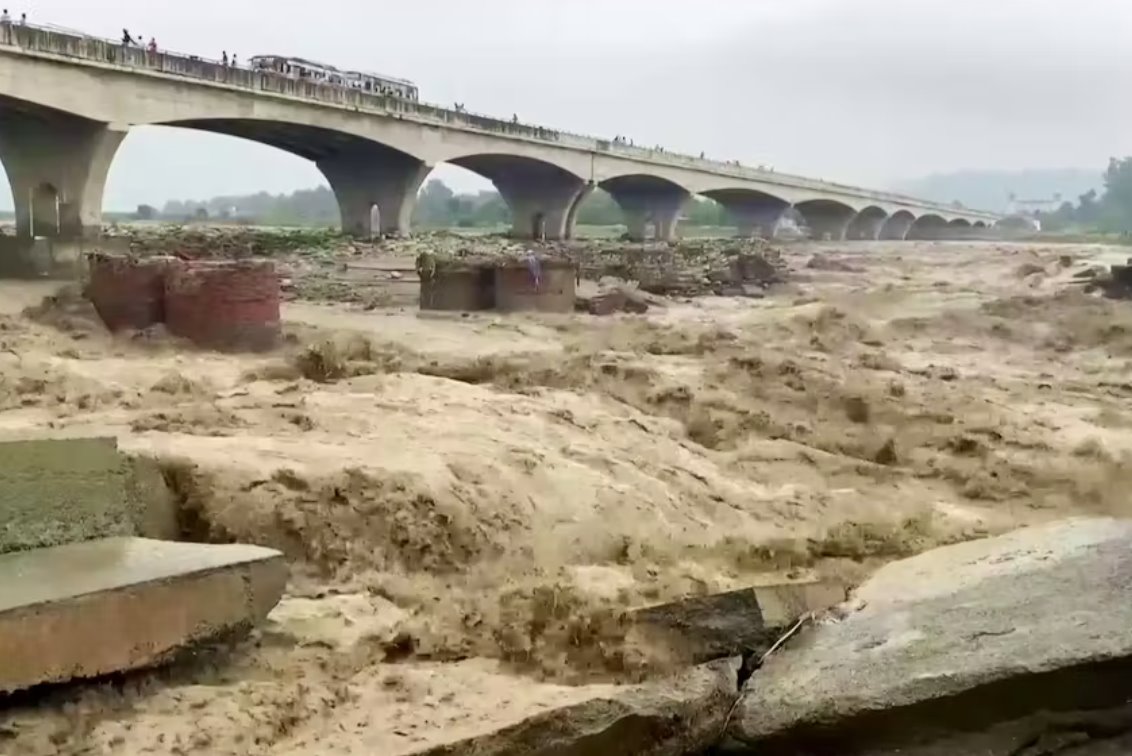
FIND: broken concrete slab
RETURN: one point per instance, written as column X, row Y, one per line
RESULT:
column 683, row 714
column 956, row 641
column 92, row 608
column 609, row 300
column 57, row 491
column 736, row 623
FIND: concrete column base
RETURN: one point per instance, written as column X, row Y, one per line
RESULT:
column 666, row 220
column 757, row 222
column 642, row 206
column 572, row 216
column 363, row 178
column 542, row 209
column 57, row 167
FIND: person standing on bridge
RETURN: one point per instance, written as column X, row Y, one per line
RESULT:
column 5, row 18
column 127, row 40
column 224, row 59
column 152, row 47
column 235, row 62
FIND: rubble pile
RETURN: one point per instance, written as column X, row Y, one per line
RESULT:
column 229, row 242
column 618, row 298
column 690, row 268
column 324, row 265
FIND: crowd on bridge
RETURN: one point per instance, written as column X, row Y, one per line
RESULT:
column 131, row 40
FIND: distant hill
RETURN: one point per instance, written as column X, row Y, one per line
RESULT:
column 991, row 190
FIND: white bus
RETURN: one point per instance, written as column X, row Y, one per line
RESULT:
column 308, row 69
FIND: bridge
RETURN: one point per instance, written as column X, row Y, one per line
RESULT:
column 68, row 100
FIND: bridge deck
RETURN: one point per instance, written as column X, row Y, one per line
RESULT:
column 79, row 48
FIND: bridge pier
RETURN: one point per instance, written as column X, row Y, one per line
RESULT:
column 572, row 215
column 541, row 209
column 57, row 166
column 826, row 219
column 757, row 220
column 374, row 176
column 659, row 204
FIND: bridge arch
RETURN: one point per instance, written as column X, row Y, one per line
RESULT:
column 928, row 227
column 897, row 226
column 867, row 224
column 370, row 180
column 827, row 219
column 754, row 212
column 959, row 228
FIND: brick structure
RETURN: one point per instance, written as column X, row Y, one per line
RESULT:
column 548, row 286
column 465, row 288
column 126, row 292
column 231, row 306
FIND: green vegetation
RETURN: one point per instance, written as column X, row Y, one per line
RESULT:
column 437, row 207
column 305, row 207
column 1110, row 212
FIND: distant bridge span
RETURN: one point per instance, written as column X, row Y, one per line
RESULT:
column 67, row 102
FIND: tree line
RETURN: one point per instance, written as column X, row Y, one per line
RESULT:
column 438, row 206
column 1109, row 211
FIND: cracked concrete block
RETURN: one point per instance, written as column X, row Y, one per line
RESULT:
column 1001, row 641
column 87, row 609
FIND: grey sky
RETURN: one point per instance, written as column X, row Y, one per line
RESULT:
column 864, row 91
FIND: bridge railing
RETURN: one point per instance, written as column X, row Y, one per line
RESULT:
column 71, row 44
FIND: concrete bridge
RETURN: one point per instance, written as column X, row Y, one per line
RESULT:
column 67, row 101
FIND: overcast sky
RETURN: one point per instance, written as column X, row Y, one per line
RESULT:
column 862, row 91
